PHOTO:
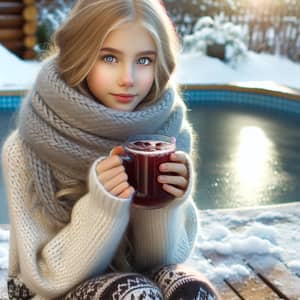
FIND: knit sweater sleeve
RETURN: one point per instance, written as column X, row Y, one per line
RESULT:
column 51, row 261
column 165, row 235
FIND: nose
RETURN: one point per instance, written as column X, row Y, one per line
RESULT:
column 127, row 76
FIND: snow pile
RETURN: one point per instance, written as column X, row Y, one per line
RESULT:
column 228, row 239
column 4, row 237
column 294, row 265
column 195, row 68
column 258, row 239
column 15, row 73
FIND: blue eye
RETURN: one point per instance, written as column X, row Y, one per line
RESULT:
column 109, row 59
column 144, row 61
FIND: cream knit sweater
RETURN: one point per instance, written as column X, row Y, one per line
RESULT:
column 51, row 261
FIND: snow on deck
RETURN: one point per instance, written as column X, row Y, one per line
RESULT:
column 239, row 250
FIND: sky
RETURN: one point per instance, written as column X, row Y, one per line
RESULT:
column 264, row 234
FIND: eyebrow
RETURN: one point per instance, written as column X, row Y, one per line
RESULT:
column 113, row 50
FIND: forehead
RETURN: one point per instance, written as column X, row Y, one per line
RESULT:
column 130, row 35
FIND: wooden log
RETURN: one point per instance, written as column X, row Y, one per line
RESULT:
column 29, row 54
column 30, row 28
column 30, row 41
column 30, row 13
column 28, row 2
column 10, row 34
column 12, row 7
column 14, row 45
column 11, row 21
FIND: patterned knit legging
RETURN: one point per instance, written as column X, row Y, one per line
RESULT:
column 172, row 282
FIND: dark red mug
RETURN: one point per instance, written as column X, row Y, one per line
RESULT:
column 143, row 155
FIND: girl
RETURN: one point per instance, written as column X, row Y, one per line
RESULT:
column 74, row 232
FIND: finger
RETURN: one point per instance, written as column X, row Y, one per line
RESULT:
column 112, row 183
column 178, row 157
column 109, row 163
column 176, row 192
column 117, row 150
column 119, row 189
column 127, row 193
column 107, row 175
column 174, row 180
column 178, row 168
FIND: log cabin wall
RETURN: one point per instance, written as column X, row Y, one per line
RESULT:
column 18, row 26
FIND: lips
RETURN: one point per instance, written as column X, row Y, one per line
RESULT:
column 124, row 98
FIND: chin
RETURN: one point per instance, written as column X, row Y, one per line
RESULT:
column 123, row 108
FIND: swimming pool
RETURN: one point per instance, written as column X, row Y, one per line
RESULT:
column 7, row 122
column 248, row 145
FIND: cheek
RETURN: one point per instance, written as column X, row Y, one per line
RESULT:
column 96, row 78
column 146, row 81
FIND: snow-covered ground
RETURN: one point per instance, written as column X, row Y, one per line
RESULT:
column 261, row 234
column 200, row 69
column 16, row 74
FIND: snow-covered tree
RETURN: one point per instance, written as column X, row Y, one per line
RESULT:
column 51, row 15
column 209, row 32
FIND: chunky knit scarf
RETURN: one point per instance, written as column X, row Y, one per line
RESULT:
column 64, row 131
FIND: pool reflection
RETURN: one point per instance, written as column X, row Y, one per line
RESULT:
column 247, row 157
column 252, row 163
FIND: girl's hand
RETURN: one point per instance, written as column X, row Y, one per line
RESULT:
column 112, row 175
column 175, row 184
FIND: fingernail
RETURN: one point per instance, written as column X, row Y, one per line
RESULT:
column 163, row 168
column 161, row 178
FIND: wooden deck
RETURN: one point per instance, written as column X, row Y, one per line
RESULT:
column 277, row 282
column 264, row 283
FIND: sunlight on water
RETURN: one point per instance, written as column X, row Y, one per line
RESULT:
column 258, row 3
column 253, row 163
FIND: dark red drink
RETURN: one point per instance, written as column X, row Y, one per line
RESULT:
column 145, row 154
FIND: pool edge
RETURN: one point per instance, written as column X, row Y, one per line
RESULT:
column 281, row 90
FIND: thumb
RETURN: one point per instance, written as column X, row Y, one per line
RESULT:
column 116, row 151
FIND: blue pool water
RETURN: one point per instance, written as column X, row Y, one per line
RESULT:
column 247, row 149
column 246, row 157
column 7, row 122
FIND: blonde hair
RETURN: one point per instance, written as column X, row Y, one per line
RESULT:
column 79, row 40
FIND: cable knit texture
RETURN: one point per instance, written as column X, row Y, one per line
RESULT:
column 61, row 135
column 64, row 132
